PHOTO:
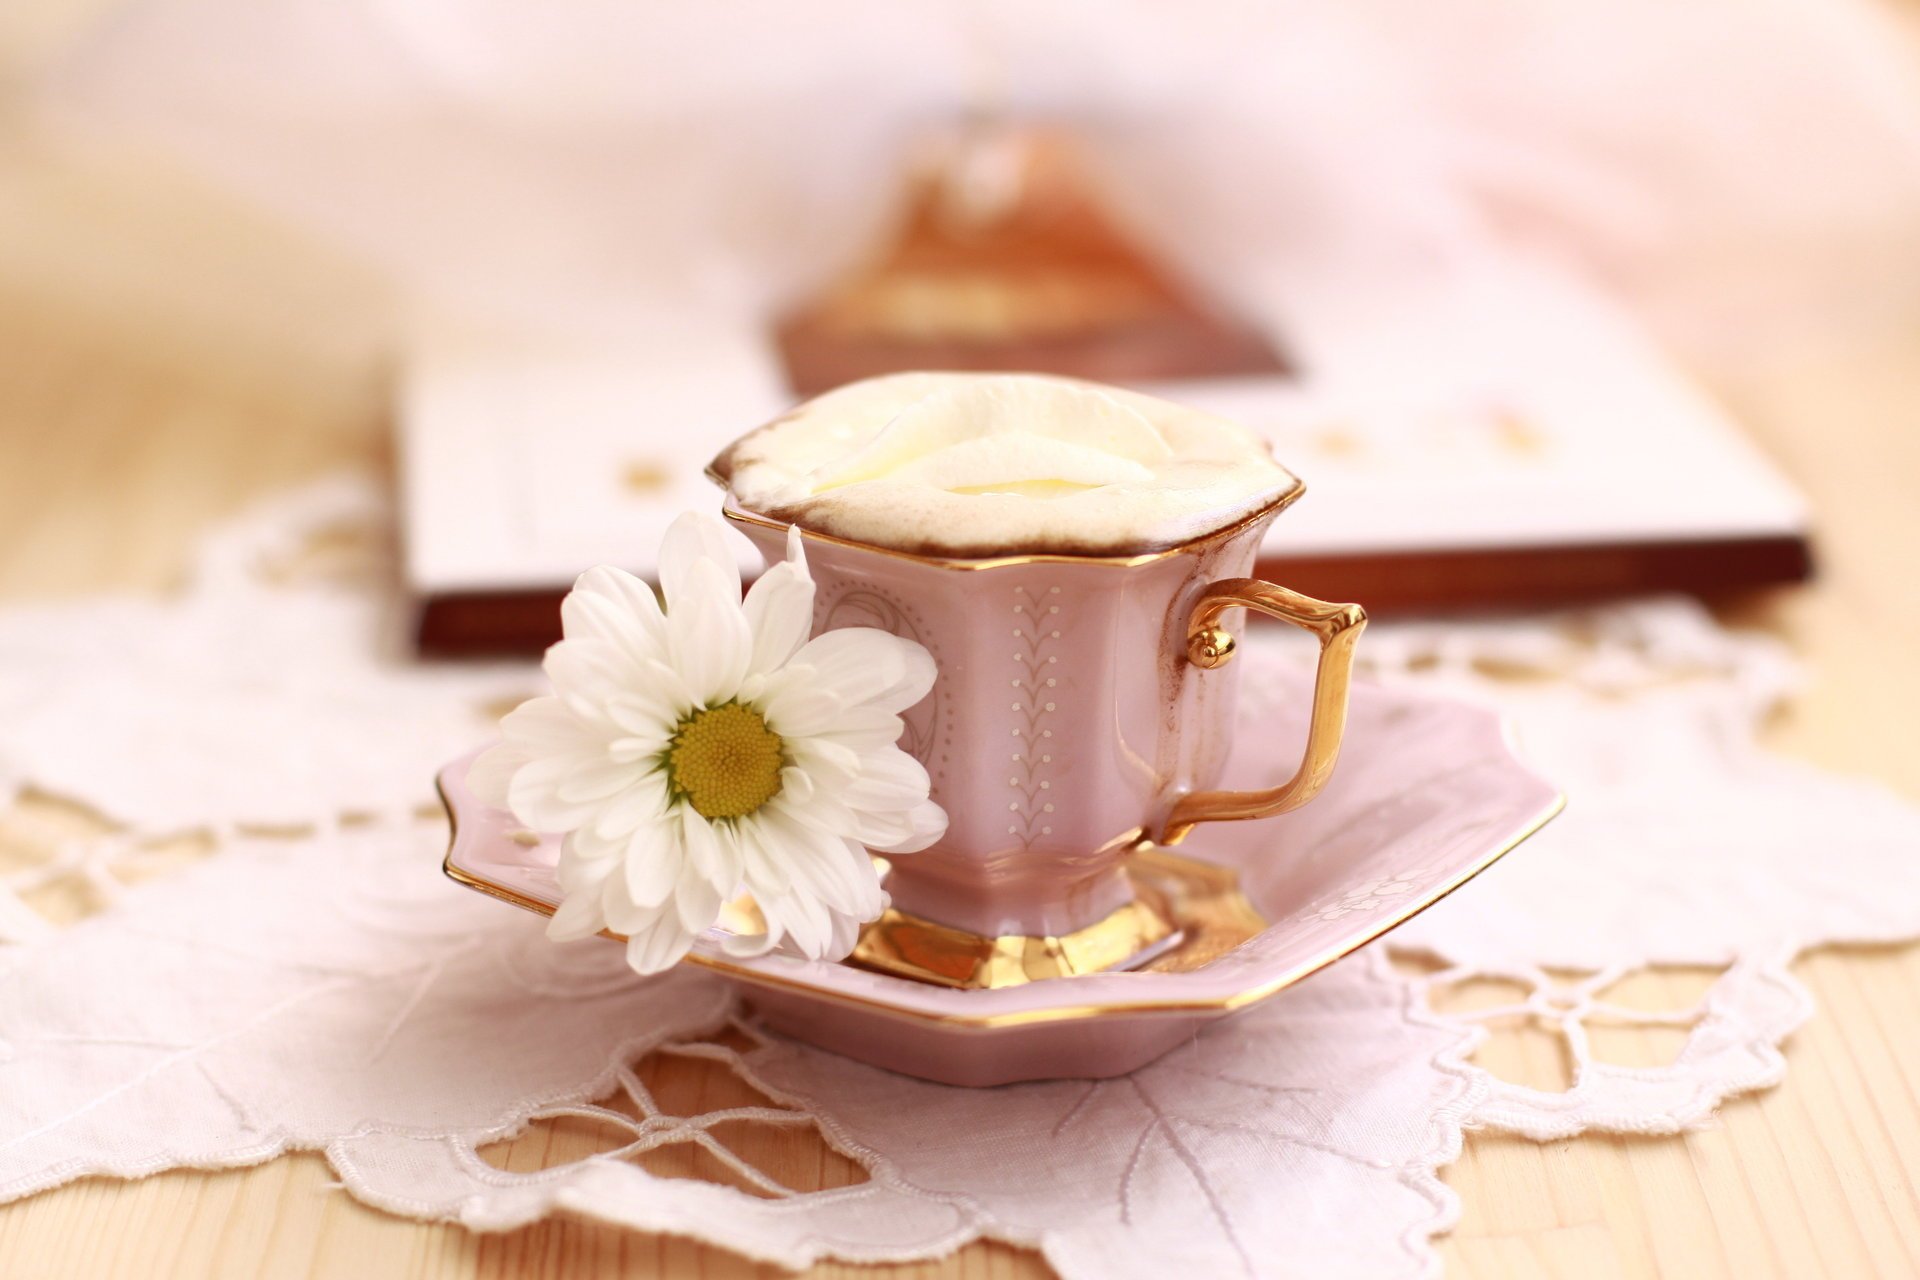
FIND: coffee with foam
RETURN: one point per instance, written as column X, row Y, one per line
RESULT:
column 972, row 465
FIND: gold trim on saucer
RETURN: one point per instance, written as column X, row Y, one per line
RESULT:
column 1205, row 947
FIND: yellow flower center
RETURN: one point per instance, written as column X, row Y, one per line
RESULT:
column 725, row 761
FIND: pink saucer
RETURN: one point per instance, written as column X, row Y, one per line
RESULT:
column 1428, row 793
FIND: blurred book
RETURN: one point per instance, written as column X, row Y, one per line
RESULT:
column 1522, row 443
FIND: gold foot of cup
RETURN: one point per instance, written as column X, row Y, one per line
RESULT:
column 1180, row 906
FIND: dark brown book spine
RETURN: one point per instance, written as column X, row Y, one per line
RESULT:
column 473, row 624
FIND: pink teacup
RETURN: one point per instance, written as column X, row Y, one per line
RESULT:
column 1084, row 704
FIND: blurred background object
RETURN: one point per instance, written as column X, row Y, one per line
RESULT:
column 597, row 240
column 1004, row 259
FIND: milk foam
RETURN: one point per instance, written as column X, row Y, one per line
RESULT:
column 984, row 464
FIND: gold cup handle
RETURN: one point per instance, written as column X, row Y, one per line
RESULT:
column 1338, row 627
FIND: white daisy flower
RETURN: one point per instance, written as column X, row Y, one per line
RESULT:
column 689, row 754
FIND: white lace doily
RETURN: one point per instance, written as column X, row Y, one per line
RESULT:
column 316, row 983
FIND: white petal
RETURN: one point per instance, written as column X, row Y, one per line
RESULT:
column 694, row 538
column 650, row 864
column 662, row 692
column 491, row 773
column 929, row 823
column 726, row 871
column 797, row 705
column 623, row 915
column 803, row 919
column 643, row 802
column 865, row 729
column 829, row 765
column 760, row 865
column 747, row 946
column 821, row 865
column 645, row 748
column 707, row 635
column 586, row 673
column 697, row 900
column 700, row 846
column 864, row 665
column 779, row 610
column 892, row 813
column 846, row 933
column 543, row 726
column 879, row 830
column 658, row 945
column 900, row 832
column 796, row 785
column 892, row 832
column 535, row 796
column 586, row 847
column 889, row 780
column 819, row 932
column 823, row 810
column 650, row 708
column 582, row 872
column 592, row 778
column 611, row 604
column 578, row 917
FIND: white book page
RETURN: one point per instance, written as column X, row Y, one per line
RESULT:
column 525, row 462
column 1506, row 409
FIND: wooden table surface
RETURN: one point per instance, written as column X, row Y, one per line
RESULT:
column 164, row 357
